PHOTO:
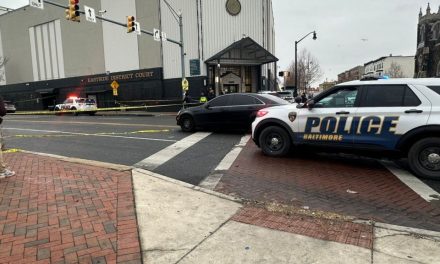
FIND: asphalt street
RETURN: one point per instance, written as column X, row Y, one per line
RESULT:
column 120, row 140
column 127, row 140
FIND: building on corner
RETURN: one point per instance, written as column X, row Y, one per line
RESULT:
column 427, row 59
column 229, row 46
column 353, row 74
column 391, row 66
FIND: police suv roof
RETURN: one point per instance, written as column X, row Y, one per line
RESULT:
column 421, row 81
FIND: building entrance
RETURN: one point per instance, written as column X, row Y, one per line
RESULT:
column 239, row 67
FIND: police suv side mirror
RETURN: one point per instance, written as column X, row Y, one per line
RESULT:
column 310, row 104
column 298, row 99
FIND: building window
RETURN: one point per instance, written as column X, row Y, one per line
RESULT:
column 438, row 69
column 436, row 31
column 422, row 33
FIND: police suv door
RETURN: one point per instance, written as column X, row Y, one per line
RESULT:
column 328, row 122
column 386, row 112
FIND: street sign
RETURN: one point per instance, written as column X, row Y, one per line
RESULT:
column 194, row 67
column 185, row 84
column 115, row 92
column 115, row 85
column 37, row 3
column 90, row 14
column 137, row 27
column 156, row 34
column 164, row 36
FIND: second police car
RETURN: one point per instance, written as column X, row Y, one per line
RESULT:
column 394, row 116
column 77, row 105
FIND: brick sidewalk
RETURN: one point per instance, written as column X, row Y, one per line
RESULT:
column 357, row 187
column 54, row 211
column 345, row 232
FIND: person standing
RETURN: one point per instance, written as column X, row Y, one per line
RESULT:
column 203, row 98
column 4, row 171
column 211, row 94
column 303, row 98
column 186, row 100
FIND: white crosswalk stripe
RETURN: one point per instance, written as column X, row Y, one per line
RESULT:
column 212, row 180
column 412, row 182
column 166, row 154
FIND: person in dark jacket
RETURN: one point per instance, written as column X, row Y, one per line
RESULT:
column 211, row 94
column 186, row 99
column 4, row 171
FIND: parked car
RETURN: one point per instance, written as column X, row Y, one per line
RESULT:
column 287, row 95
column 10, row 107
column 387, row 118
column 274, row 93
column 79, row 105
column 231, row 111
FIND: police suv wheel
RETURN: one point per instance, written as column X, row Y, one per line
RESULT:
column 274, row 141
column 187, row 124
column 424, row 158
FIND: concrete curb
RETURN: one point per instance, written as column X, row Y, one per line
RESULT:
column 412, row 230
column 189, row 186
column 106, row 165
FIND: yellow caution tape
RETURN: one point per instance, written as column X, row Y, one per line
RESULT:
column 122, row 108
column 12, row 150
column 87, row 134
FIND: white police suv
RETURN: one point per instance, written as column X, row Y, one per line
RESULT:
column 83, row 105
column 385, row 117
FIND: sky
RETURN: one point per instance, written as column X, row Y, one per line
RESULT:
column 350, row 32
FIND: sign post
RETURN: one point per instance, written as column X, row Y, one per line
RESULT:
column 37, row 3
column 115, row 86
column 90, row 14
column 156, row 34
column 185, row 84
column 137, row 27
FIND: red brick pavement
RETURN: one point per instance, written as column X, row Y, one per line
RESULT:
column 325, row 229
column 54, row 211
column 321, row 182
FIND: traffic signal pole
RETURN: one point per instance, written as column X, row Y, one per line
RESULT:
column 113, row 22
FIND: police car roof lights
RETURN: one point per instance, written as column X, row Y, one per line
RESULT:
column 375, row 77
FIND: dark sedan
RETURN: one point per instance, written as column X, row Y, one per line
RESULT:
column 231, row 111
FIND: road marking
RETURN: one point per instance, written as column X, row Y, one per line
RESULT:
column 166, row 154
column 89, row 123
column 87, row 134
column 412, row 182
column 214, row 178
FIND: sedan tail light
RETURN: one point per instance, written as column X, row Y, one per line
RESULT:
column 262, row 113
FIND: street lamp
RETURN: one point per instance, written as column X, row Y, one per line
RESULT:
column 179, row 20
column 296, row 55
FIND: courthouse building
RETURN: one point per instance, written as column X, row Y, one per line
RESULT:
column 228, row 45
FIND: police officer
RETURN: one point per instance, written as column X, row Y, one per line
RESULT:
column 203, row 98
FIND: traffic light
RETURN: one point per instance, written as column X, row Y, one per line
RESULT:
column 73, row 12
column 130, row 24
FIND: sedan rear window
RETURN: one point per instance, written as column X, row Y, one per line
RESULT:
column 435, row 88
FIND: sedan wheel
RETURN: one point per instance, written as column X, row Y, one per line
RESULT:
column 187, row 124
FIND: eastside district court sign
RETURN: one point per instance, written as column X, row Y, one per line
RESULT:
column 141, row 75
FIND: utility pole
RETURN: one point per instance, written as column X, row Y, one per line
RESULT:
column 182, row 49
